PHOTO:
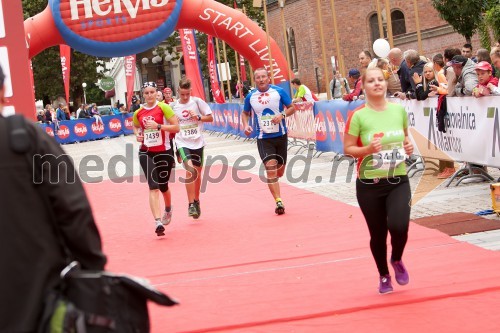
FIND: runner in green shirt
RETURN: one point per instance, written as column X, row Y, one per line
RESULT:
column 377, row 135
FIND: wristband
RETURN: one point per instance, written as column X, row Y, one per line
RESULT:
column 283, row 114
column 199, row 118
column 159, row 127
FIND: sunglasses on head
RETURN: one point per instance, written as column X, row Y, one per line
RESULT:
column 149, row 84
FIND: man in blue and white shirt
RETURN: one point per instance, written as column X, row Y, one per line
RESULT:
column 270, row 105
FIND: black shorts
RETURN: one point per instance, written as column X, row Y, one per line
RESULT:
column 157, row 167
column 195, row 155
column 273, row 149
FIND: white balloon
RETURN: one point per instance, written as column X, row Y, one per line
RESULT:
column 381, row 47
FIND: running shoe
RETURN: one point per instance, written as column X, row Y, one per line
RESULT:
column 401, row 273
column 280, row 208
column 198, row 208
column 192, row 211
column 160, row 229
column 167, row 217
column 385, row 285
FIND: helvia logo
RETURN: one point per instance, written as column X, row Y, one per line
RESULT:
column 49, row 131
column 129, row 123
column 97, row 128
column 63, row 132
column 80, row 129
column 115, row 125
column 104, row 27
column 320, row 126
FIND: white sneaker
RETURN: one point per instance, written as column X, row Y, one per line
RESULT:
column 167, row 217
column 159, row 229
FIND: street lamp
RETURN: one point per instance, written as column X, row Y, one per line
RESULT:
column 84, row 85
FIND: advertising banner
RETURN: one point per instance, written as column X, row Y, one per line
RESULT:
column 130, row 69
column 79, row 130
column 330, row 118
column 214, row 82
column 191, row 62
column 65, row 53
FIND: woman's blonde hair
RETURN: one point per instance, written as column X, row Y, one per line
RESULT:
column 430, row 65
column 363, row 77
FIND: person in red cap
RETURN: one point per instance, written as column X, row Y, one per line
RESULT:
column 488, row 84
column 167, row 96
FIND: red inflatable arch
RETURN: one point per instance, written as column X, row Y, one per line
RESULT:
column 123, row 27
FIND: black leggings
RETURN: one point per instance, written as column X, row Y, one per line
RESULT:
column 157, row 168
column 385, row 203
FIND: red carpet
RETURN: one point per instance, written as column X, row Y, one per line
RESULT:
column 240, row 268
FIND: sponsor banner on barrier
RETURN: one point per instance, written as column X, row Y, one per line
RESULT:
column 227, row 119
column 472, row 129
column 300, row 125
column 330, row 118
column 78, row 130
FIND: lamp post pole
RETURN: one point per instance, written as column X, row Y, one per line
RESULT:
column 84, row 85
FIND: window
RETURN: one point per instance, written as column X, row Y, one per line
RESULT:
column 397, row 20
column 293, row 49
column 398, row 23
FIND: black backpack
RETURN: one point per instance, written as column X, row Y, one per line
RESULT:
column 88, row 301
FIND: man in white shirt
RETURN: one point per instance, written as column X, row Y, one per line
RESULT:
column 192, row 112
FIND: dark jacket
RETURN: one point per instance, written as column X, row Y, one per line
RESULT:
column 422, row 94
column 83, row 114
column 30, row 255
column 404, row 77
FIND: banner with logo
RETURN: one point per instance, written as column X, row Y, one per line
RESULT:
column 227, row 119
column 300, row 125
column 330, row 118
column 191, row 62
column 472, row 134
column 79, row 130
column 65, row 53
column 214, row 82
column 130, row 69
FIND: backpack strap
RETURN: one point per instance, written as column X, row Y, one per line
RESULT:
column 19, row 139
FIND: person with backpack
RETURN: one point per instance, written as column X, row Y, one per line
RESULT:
column 337, row 84
column 31, row 256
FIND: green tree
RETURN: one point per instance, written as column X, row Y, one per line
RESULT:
column 47, row 72
column 492, row 19
column 462, row 15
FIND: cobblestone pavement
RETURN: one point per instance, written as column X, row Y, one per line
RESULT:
column 306, row 169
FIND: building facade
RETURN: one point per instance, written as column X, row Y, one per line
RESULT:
column 358, row 28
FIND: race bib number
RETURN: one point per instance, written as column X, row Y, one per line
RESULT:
column 152, row 138
column 267, row 125
column 190, row 131
column 390, row 157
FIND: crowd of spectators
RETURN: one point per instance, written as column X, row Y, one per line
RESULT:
column 410, row 75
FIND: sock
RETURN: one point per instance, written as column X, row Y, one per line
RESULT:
column 278, row 199
column 196, row 201
column 168, row 209
column 157, row 221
